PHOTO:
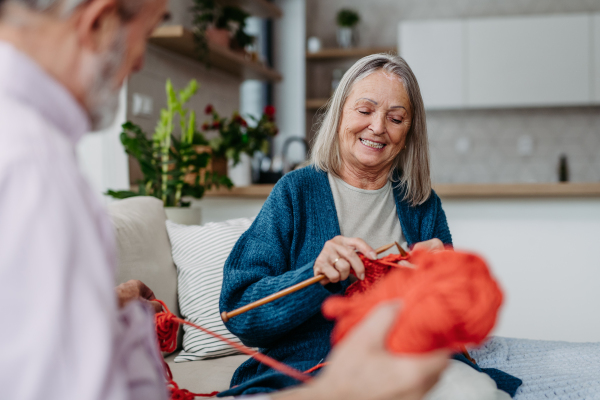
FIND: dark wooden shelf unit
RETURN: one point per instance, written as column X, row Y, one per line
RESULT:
column 180, row 40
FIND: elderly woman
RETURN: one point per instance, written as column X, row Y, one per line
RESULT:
column 368, row 185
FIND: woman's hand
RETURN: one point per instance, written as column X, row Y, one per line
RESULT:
column 431, row 245
column 339, row 256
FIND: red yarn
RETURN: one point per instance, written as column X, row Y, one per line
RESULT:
column 166, row 329
column 316, row 367
column 374, row 271
column 449, row 300
column 178, row 393
column 167, row 325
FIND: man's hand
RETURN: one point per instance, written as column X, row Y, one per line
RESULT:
column 361, row 368
column 136, row 290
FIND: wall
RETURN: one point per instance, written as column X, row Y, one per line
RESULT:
column 475, row 145
column 101, row 156
column 216, row 87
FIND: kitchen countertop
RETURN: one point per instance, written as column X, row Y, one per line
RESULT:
column 458, row 190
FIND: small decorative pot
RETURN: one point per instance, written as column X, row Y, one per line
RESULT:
column 218, row 36
column 184, row 215
column 219, row 165
column 346, row 37
column 313, row 44
column 241, row 174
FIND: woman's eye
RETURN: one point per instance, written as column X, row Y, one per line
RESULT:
column 396, row 121
column 364, row 112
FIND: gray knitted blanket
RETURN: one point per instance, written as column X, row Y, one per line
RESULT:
column 549, row 370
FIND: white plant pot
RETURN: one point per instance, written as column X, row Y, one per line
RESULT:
column 241, row 174
column 345, row 37
column 184, row 215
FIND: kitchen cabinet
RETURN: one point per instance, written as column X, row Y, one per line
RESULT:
column 435, row 52
column 526, row 61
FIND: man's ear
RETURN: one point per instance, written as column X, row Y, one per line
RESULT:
column 97, row 24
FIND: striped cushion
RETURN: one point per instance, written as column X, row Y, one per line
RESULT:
column 199, row 252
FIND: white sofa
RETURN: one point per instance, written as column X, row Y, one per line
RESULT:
column 144, row 253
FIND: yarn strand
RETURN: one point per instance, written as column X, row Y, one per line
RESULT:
column 166, row 328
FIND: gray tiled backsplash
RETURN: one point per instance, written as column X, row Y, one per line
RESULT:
column 481, row 146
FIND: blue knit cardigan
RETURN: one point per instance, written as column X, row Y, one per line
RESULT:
column 278, row 251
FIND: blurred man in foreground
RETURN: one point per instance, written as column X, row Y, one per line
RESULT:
column 65, row 335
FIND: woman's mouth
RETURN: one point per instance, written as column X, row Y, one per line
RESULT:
column 373, row 145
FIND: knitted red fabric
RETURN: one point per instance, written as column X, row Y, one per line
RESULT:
column 374, row 271
column 449, row 300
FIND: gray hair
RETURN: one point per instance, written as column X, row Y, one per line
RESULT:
column 411, row 167
column 127, row 8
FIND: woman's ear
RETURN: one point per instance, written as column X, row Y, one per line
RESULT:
column 97, row 24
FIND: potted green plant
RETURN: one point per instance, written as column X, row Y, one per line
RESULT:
column 222, row 25
column 173, row 160
column 238, row 140
column 346, row 33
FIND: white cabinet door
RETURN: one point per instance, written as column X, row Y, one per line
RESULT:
column 529, row 61
column 596, row 56
column 435, row 52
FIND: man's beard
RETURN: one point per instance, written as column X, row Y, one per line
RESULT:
column 102, row 97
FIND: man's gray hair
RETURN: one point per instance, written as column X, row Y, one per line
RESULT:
column 411, row 166
column 127, row 8
column 45, row 5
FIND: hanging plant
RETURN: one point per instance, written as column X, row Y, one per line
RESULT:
column 208, row 14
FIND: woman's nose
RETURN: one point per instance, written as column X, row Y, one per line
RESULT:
column 378, row 123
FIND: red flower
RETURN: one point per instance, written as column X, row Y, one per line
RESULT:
column 205, row 126
column 270, row 111
column 239, row 120
column 216, row 125
column 209, row 109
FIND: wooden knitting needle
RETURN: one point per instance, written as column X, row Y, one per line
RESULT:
column 402, row 252
column 225, row 316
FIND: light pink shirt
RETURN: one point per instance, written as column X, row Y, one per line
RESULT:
column 61, row 335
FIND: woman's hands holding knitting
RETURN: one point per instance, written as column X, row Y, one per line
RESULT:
column 361, row 368
column 339, row 256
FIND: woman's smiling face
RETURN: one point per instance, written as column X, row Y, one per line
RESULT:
column 375, row 121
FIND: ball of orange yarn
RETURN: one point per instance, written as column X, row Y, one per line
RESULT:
column 449, row 300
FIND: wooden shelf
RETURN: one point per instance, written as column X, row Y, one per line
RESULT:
column 251, row 191
column 259, row 8
column 348, row 53
column 517, row 190
column 458, row 191
column 181, row 40
column 313, row 104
